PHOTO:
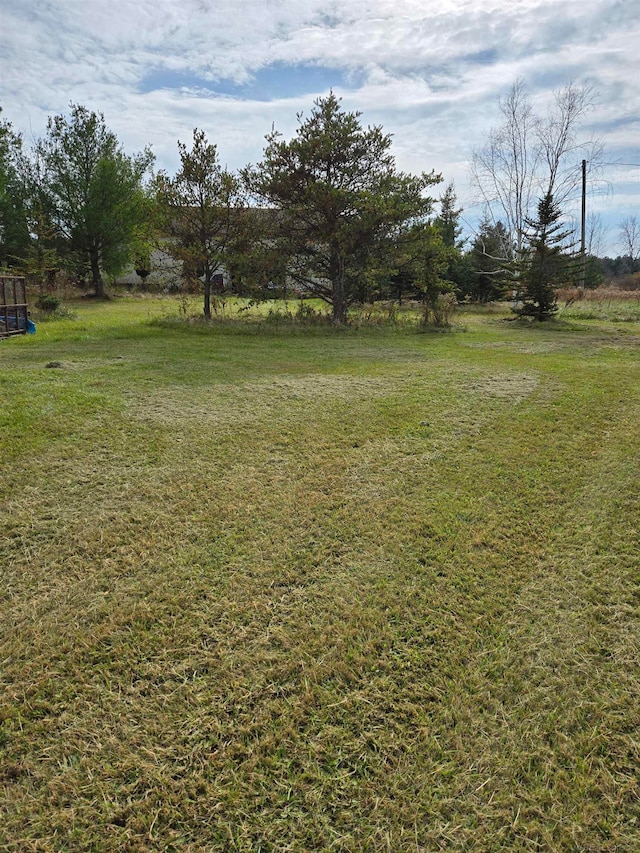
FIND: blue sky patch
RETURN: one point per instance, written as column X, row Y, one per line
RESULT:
column 482, row 57
column 278, row 80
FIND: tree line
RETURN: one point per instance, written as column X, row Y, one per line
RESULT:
column 326, row 212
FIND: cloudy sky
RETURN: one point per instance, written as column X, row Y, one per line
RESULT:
column 429, row 71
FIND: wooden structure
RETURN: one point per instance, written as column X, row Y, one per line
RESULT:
column 14, row 319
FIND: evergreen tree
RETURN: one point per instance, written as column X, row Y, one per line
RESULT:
column 491, row 256
column 341, row 201
column 593, row 273
column 448, row 222
column 545, row 264
column 14, row 231
column 201, row 211
column 42, row 260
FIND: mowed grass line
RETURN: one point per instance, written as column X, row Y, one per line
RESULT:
column 350, row 592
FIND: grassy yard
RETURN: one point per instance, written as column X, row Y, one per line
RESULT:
column 266, row 589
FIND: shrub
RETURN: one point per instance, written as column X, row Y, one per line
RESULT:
column 438, row 311
column 443, row 309
column 48, row 302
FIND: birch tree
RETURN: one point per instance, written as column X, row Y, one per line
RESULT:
column 529, row 156
column 629, row 237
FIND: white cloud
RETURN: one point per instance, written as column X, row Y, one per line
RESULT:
column 429, row 71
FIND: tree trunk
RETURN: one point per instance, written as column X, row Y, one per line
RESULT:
column 96, row 277
column 339, row 298
column 207, row 298
column 339, row 310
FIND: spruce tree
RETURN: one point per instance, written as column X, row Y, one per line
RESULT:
column 544, row 265
column 492, row 259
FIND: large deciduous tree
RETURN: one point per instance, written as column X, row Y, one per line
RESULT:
column 339, row 200
column 528, row 156
column 96, row 192
column 201, row 210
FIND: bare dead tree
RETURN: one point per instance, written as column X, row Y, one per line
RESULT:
column 504, row 170
column 629, row 237
column 528, row 156
column 560, row 150
column 596, row 232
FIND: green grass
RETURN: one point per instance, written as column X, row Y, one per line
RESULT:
column 266, row 589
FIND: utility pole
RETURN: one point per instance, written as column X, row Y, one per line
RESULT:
column 583, row 231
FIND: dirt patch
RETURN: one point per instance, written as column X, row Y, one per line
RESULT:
column 515, row 387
